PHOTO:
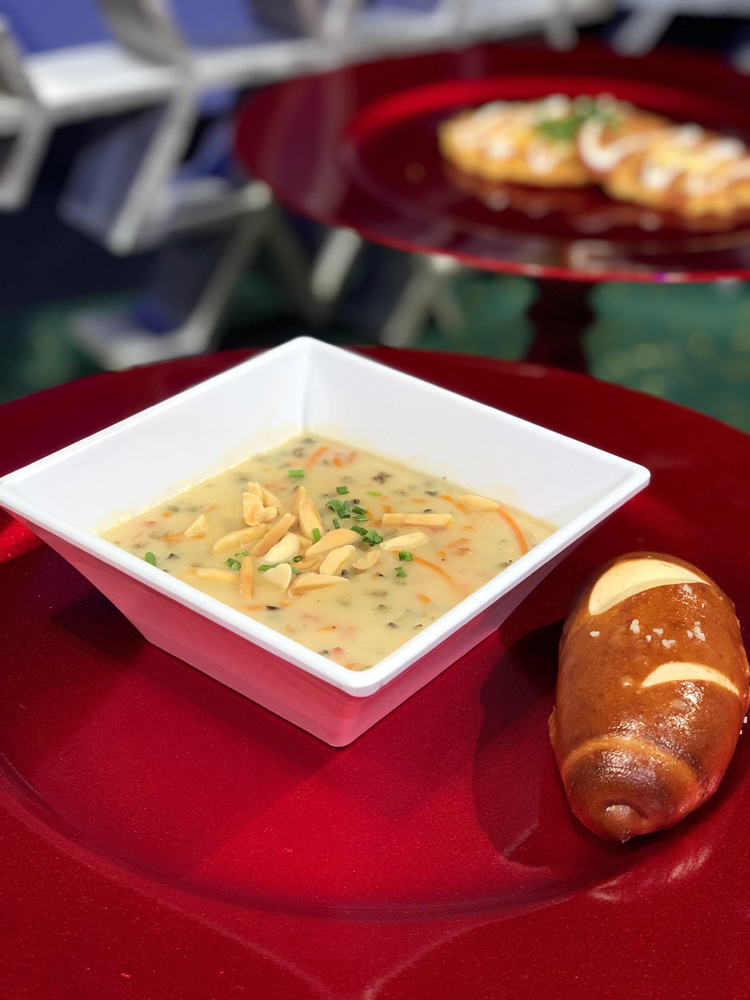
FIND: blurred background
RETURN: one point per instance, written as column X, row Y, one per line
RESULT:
column 129, row 233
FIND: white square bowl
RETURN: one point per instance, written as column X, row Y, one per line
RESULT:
column 307, row 385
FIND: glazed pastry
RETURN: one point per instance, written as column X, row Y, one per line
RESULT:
column 527, row 142
column 635, row 155
column 619, row 132
column 687, row 170
column 651, row 694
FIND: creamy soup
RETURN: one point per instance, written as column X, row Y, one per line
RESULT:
column 347, row 553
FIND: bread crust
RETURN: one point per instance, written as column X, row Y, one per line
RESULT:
column 651, row 694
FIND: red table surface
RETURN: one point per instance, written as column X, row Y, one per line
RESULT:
column 162, row 837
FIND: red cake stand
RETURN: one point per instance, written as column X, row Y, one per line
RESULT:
column 163, row 838
column 357, row 148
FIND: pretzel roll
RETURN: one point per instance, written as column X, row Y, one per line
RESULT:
column 651, row 694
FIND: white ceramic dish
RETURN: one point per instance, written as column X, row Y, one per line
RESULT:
column 259, row 404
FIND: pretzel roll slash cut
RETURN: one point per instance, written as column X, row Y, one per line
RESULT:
column 652, row 692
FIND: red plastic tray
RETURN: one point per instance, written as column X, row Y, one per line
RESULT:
column 357, row 147
column 164, row 838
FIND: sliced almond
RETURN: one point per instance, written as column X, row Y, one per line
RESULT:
column 236, row 539
column 252, row 508
column 368, row 559
column 246, row 577
column 336, row 559
column 256, row 489
column 433, row 520
column 393, row 520
column 198, row 527
column 309, row 564
column 274, row 534
column 314, row 581
column 332, row 540
column 217, row 575
column 286, row 549
column 270, row 499
column 280, row 576
column 404, row 542
column 299, row 496
column 269, row 513
column 309, row 518
column 481, row 503
column 304, row 543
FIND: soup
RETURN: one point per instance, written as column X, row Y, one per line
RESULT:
column 345, row 552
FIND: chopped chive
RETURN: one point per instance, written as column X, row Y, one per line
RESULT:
column 406, row 557
column 234, row 564
column 401, row 571
column 360, row 518
column 298, row 559
column 374, row 493
column 360, row 531
column 358, row 510
column 336, row 523
column 316, row 534
column 335, row 505
column 296, row 473
column 295, row 571
column 342, row 489
column 150, row 558
column 241, row 553
column 262, row 569
column 372, row 537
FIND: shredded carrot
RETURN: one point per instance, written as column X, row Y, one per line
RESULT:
column 437, row 569
column 337, row 462
column 387, row 509
column 424, row 598
column 172, row 537
column 419, row 499
column 516, row 531
column 441, row 553
column 325, row 628
column 253, row 607
column 458, row 541
column 166, row 513
column 315, row 456
column 444, row 496
column 464, row 510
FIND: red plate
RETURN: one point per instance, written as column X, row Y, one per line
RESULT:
column 358, row 148
column 163, row 838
